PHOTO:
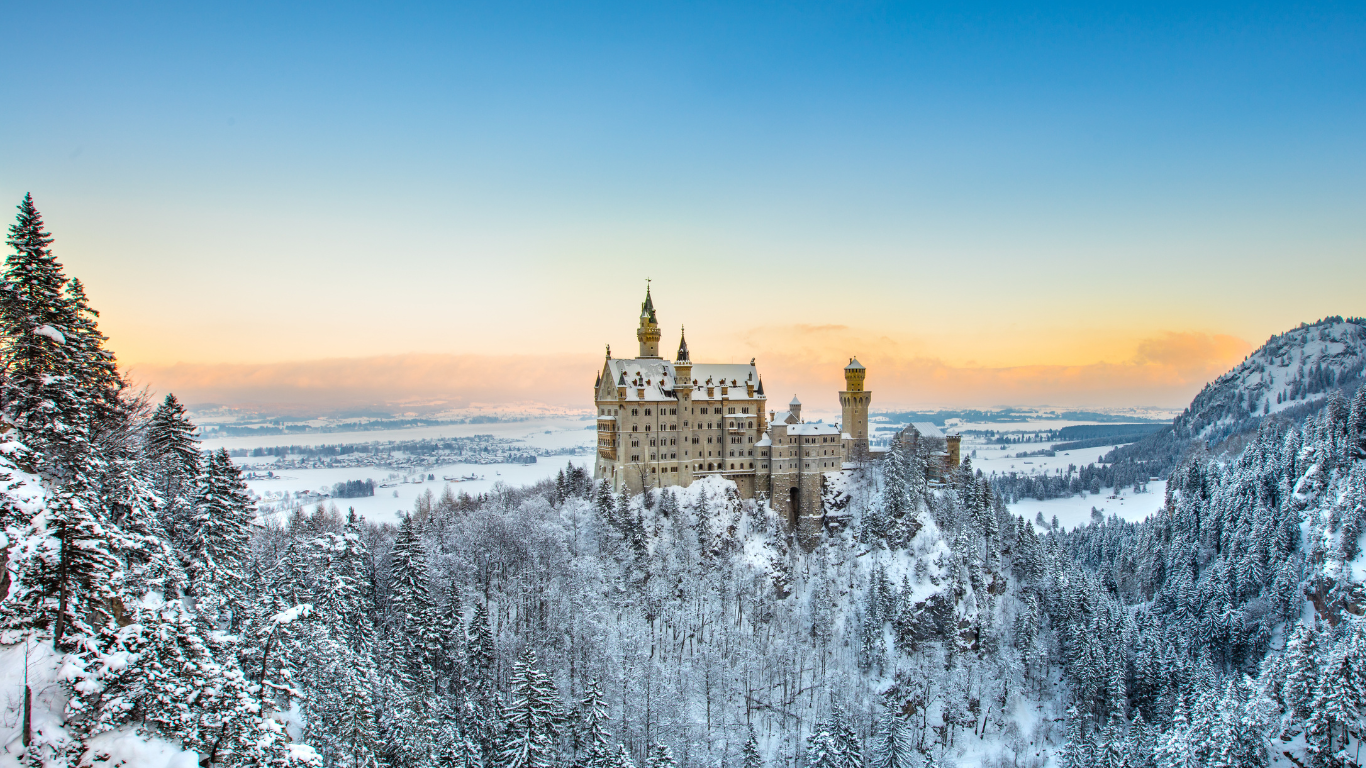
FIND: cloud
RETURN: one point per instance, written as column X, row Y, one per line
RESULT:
column 1164, row 370
column 456, row 380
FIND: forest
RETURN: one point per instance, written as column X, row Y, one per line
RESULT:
column 564, row 625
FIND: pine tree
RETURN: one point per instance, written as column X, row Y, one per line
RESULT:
column 42, row 393
column 454, row 651
column 172, row 455
column 661, row 757
column 482, row 658
column 592, row 740
column 220, row 539
column 749, row 756
column 892, row 745
column 532, row 717
column 1339, row 702
column 413, row 619
column 822, row 748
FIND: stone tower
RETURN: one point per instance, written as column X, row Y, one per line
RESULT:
column 854, row 404
column 648, row 332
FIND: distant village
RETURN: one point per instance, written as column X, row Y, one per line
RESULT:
column 400, row 456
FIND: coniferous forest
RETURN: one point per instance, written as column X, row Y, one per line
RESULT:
column 563, row 625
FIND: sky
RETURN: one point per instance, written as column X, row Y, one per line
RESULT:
column 990, row 204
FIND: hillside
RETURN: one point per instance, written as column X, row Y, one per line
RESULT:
column 1288, row 378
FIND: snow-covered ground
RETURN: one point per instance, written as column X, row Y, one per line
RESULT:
column 549, row 433
column 388, row 503
column 1076, row 510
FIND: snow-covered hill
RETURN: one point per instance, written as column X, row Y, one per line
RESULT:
column 1291, row 369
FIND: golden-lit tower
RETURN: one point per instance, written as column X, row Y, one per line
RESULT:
column 648, row 332
column 854, row 402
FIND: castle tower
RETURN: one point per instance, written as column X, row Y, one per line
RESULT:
column 854, row 402
column 682, row 365
column 648, row 332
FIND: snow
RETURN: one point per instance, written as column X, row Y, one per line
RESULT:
column 291, row 615
column 49, row 700
column 129, row 749
column 1076, row 510
column 388, row 504
column 50, row 332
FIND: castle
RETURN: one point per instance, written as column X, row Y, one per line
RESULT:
column 663, row 423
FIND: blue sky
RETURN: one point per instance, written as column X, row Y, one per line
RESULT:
column 987, row 184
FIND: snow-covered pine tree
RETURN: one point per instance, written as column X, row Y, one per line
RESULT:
column 412, row 620
column 591, row 738
column 749, row 754
column 532, row 717
column 219, row 541
column 892, row 744
column 661, row 757
column 172, row 455
column 42, row 393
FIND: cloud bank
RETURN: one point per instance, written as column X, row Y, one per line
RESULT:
column 1165, row 370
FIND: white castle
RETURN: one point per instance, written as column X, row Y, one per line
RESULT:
column 663, row 423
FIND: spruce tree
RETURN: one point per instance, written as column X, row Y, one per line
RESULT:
column 172, row 455
column 218, row 544
column 592, row 740
column 749, row 755
column 661, row 757
column 892, row 745
column 532, row 717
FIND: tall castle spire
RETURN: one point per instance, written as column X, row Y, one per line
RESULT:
column 648, row 332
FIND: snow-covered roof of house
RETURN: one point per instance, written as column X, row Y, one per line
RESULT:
column 926, row 429
column 784, row 417
column 764, row 441
column 795, row 401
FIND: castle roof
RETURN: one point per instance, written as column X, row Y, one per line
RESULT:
column 854, row 365
column 925, row 429
column 795, row 401
column 647, row 308
column 809, row 428
column 683, row 347
column 657, row 378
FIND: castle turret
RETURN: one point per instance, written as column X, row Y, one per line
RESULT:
column 648, row 332
column 795, row 408
column 854, row 402
column 682, row 366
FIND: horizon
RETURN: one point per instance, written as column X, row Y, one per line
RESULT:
column 1076, row 207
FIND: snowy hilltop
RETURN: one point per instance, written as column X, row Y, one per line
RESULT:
column 1298, row 367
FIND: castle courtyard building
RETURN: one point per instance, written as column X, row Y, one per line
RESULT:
column 667, row 423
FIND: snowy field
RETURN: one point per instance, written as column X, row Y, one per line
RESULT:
column 387, row 503
column 1076, row 510
column 552, row 433
column 1072, row 511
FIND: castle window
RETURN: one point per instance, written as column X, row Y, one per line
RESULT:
column 647, row 427
column 709, row 466
column 635, row 427
column 652, row 470
column 751, row 465
column 633, row 412
column 763, row 453
column 652, row 443
column 744, row 410
column 647, row 411
column 732, row 410
column 749, row 424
